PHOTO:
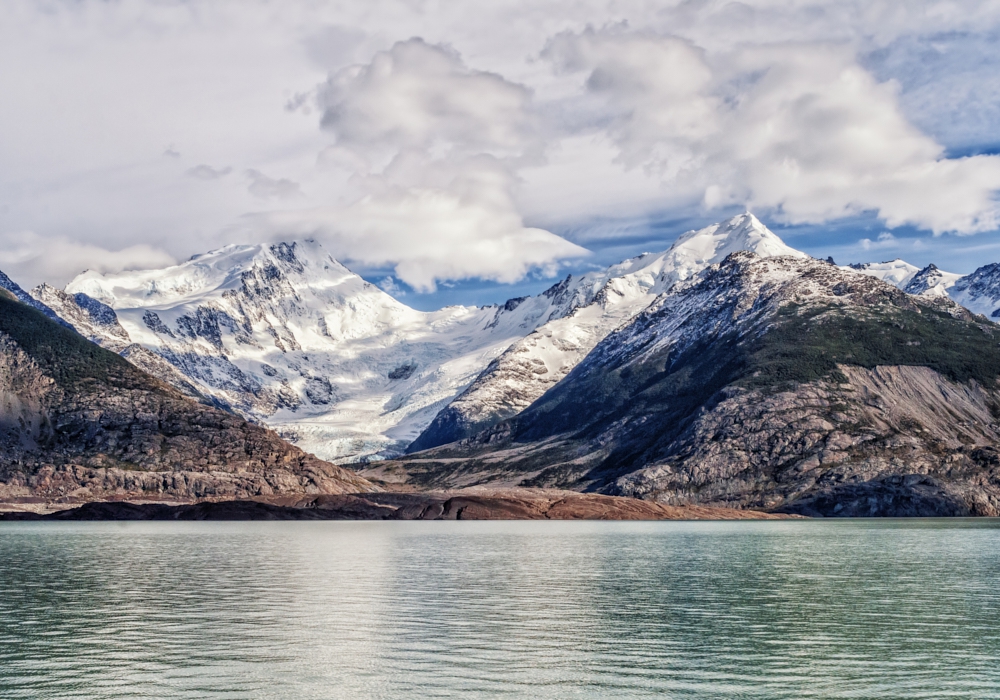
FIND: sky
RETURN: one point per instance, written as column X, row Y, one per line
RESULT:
column 471, row 152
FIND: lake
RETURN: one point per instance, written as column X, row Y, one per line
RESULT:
column 784, row 609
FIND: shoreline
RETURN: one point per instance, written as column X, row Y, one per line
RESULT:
column 474, row 503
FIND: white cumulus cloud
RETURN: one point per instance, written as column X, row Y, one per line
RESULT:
column 434, row 146
column 801, row 129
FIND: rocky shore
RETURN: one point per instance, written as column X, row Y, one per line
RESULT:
column 460, row 504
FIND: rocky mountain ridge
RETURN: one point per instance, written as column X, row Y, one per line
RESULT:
column 978, row 291
column 603, row 301
column 289, row 337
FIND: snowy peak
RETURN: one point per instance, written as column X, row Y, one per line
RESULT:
column 931, row 282
column 696, row 250
column 896, row 272
column 977, row 292
column 980, row 291
column 232, row 268
column 586, row 310
column 654, row 273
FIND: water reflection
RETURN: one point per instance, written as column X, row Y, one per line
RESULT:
column 863, row 609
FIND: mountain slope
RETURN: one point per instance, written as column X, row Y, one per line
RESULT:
column 979, row 291
column 780, row 383
column 289, row 337
column 15, row 289
column 76, row 419
column 601, row 302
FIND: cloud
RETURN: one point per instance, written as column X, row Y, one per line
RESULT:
column 264, row 187
column 884, row 240
column 434, row 148
column 389, row 286
column 466, row 228
column 802, row 109
column 659, row 106
column 800, row 129
column 32, row 259
column 421, row 97
column 206, row 172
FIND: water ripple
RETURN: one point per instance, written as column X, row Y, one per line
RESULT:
column 863, row 609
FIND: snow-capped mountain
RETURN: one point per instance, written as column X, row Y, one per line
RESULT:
column 979, row 292
column 779, row 383
column 288, row 336
column 597, row 303
column 929, row 281
column 896, row 272
column 932, row 282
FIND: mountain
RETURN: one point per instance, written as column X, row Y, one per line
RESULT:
column 11, row 286
column 781, row 383
column 929, row 281
column 979, row 291
column 288, row 337
column 898, row 273
column 932, row 282
column 592, row 306
column 79, row 421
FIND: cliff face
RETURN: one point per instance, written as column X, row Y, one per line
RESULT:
column 76, row 419
column 779, row 383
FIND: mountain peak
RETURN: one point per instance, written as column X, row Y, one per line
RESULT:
column 695, row 250
column 214, row 272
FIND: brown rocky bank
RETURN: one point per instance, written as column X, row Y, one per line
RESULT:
column 461, row 504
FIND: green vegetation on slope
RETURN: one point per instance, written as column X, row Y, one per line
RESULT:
column 65, row 355
column 807, row 344
column 645, row 405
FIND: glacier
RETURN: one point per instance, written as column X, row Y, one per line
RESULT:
column 289, row 337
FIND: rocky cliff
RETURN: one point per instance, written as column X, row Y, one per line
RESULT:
column 80, row 421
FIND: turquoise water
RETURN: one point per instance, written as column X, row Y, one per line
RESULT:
column 843, row 609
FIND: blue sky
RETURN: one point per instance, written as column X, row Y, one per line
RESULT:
column 473, row 154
